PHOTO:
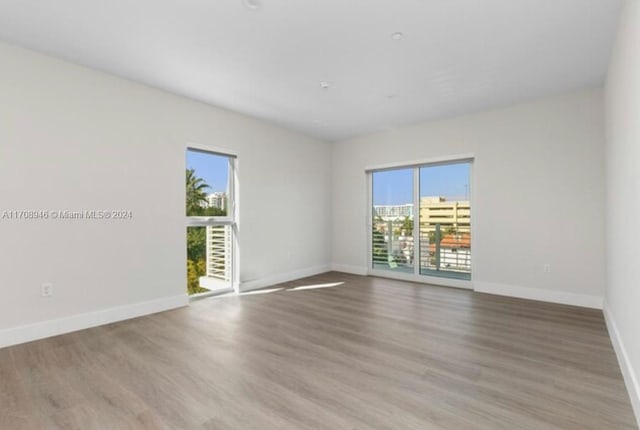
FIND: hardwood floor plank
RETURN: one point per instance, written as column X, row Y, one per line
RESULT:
column 365, row 353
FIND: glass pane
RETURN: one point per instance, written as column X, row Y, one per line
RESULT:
column 393, row 220
column 207, row 182
column 196, row 258
column 445, row 214
column 208, row 258
column 209, row 248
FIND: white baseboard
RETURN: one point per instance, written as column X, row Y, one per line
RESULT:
column 423, row 279
column 561, row 297
column 345, row 268
column 628, row 373
column 41, row 330
column 282, row 277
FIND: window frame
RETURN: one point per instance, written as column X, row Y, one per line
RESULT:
column 231, row 219
column 416, row 276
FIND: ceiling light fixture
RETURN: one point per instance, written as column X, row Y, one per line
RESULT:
column 397, row 35
column 252, row 4
column 325, row 85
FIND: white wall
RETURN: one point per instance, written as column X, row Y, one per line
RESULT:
column 539, row 193
column 623, row 197
column 72, row 138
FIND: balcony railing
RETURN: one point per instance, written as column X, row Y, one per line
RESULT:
column 217, row 258
column 444, row 249
column 392, row 246
column 218, row 252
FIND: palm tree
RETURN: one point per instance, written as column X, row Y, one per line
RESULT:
column 196, row 193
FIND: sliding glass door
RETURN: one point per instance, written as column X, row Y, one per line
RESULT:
column 421, row 220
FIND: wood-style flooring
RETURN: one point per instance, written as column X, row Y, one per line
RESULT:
column 367, row 353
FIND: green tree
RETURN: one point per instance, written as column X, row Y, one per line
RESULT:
column 380, row 254
column 450, row 231
column 213, row 212
column 196, row 193
column 196, row 243
column 407, row 226
column 195, row 269
column 432, row 236
column 196, row 205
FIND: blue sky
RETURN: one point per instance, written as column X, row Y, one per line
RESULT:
column 391, row 187
column 214, row 169
column 395, row 187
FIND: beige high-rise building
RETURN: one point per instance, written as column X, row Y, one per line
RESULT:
column 449, row 214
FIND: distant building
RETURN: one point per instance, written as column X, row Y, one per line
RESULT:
column 393, row 212
column 450, row 215
column 217, row 200
column 450, row 220
column 434, row 210
column 453, row 253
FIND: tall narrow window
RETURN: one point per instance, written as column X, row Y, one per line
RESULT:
column 421, row 220
column 210, row 210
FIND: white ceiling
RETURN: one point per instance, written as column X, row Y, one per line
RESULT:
column 456, row 56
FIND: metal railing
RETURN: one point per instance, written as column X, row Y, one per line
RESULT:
column 442, row 247
column 445, row 248
column 219, row 252
column 393, row 245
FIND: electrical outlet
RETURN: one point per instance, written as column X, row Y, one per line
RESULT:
column 546, row 268
column 47, row 289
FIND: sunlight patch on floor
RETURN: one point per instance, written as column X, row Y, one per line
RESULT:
column 277, row 289
column 313, row 287
column 265, row 291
